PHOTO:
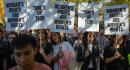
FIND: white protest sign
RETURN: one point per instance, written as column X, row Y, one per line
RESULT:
column 39, row 13
column 116, row 19
column 63, row 17
column 15, row 14
column 88, row 17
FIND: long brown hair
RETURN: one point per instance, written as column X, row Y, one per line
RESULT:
column 85, row 39
column 45, row 38
column 58, row 35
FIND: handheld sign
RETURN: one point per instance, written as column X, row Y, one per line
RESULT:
column 15, row 14
column 63, row 17
column 116, row 20
column 39, row 13
column 88, row 17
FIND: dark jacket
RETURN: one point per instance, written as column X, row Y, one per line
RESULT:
column 3, row 52
column 48, row 50
column 94, row 56
column 117, row 64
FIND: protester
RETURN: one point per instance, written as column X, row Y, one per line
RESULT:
column 10, row 59
column 115, row 54
column 48, row 36
column 127, row 42
column 45, row 50
column 90, row 53
column 78, row 47
column 3, row 51
column 24, row 52
column 11, row 36
column 103, row 42
column 62, row 52
column 75, row 36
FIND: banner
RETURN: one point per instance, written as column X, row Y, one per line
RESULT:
column 116, row 19
column 15, row 14
column 88, row 17
column 39, row 12
column 63, row 17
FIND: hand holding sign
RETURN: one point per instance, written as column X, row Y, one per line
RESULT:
column 60, row 53
column 117, row 55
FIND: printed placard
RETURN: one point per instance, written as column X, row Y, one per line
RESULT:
column 15, row 14
column 63, row 17
column 39, row 12
column 88, row 17
column 116, row 19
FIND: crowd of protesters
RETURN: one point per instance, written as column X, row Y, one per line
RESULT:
column 45, row 50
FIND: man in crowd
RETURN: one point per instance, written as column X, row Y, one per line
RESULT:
column 25, row 49
column 102, row 44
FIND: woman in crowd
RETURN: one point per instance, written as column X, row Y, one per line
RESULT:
column 78, row 47
column 45, row 50
column 62, row 52
column 78, row 42
column 116, row 54
column 48, row 36
column 88, row 53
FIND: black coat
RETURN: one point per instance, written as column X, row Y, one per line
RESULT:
column 94, row 56
column 3, row 52
column 116, row 64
